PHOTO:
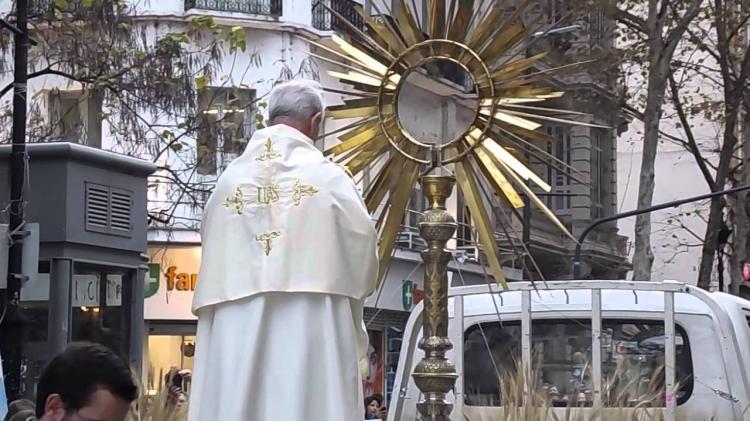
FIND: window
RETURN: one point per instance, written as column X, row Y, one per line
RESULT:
column 555, row 10
column 463, row 218
column 597, row 26
column 108, row 209
column 632, row 363
column 168, row 353
column 417, row 206
column 599, row 172
column 76, row 116
column 558, row 179
column 101, row 313
column 227, row 121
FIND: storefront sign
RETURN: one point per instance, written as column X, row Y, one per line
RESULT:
column 171, row 281
column 86, row 291
column 174, row 280
column 180, row 281
column 411, row 294
column 173, row 276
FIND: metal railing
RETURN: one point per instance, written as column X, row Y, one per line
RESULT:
column 323, row 19
column 722, row 324
column 255, row 7
column 47, row 8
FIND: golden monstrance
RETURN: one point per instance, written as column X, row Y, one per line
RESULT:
column 502, row 90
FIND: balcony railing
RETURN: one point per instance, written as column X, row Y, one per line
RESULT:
column 323, row 19
column 255, row 7
column 47, row 9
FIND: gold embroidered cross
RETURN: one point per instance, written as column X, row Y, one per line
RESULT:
column 269, row 153
column 300, row 190
column 238, row 201
column 266, row 239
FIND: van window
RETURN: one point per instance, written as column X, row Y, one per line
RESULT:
column 632, row 363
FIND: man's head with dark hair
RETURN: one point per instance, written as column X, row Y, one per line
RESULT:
column 87, row 382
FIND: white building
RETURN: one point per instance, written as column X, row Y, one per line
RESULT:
column 275, row 32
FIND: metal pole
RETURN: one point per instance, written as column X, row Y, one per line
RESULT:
column 12, row 326
column 435, row 376
column 673, row 204
column 526, row 234
column 58, row 324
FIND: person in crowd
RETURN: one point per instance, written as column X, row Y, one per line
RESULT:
column 87, row 382
column 20, row 410
column 373, row 407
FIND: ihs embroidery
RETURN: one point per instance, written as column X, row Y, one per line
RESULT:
column 269, row 195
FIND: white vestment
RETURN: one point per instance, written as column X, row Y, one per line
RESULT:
column 289, row 255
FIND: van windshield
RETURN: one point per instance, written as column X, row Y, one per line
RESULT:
column 632, row 364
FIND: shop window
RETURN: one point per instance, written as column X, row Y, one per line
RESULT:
column 227, row 121
column 372, row 382
column 169, row 354
column 35, row 306
column 394, row 339
column 99, row 298
column 632, row 363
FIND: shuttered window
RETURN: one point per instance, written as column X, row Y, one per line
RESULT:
column 109, row 209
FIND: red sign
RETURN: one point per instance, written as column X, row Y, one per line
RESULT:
column 746, row 272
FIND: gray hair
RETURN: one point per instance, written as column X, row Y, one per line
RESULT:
column 298, row 100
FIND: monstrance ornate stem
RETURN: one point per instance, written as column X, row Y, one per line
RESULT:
column 435, row 376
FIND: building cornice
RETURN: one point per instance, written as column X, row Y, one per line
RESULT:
column 230, row 19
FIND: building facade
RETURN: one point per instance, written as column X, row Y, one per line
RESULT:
column 231, row 107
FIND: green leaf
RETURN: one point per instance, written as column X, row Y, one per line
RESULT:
column 176, row 146
column 202, row 82
column 61, row 4
column 87, row 3
column 177, row 37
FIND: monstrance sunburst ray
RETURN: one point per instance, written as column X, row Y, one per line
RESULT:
column 488, row 45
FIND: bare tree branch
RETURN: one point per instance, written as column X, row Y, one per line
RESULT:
column 692, row 145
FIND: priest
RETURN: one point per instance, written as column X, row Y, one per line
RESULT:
column 289, row 255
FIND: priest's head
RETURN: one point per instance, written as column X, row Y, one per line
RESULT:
column 297, row 104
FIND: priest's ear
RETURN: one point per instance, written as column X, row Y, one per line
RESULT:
column 54, row 408
column 315, row 124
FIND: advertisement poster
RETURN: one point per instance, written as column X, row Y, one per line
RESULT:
column 372, row 383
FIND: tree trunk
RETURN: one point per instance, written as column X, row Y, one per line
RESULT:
column 716, row 215
column 741, row 225
column 643, row 257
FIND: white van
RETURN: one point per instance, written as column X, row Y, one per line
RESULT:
column 602, row 347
